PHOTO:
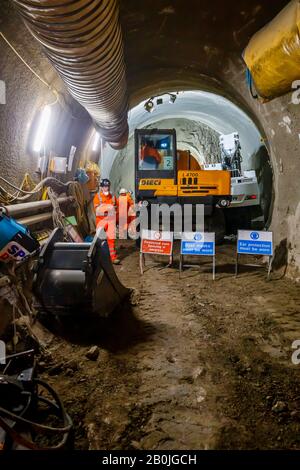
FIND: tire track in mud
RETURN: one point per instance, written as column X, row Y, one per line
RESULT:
column 190, row 364
column 159, row 396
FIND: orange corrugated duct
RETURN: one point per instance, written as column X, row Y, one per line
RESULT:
column 83, row 40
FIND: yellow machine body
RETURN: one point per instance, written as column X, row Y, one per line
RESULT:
column 166, row 175
column 190, row 183
column 204, row 183
column 160, row 187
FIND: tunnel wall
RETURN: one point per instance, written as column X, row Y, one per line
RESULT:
column 203, row 142
column 280, row 120
column 198, row 46
column 278, row 123
column 25, row 96
column 191, row 135
column 186, row 46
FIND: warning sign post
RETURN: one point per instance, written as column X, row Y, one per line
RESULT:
column 251, row 242
column 156, row 243
column 198, row 244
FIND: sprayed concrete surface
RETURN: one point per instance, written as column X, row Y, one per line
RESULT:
column 188, row 364
column 184, row 46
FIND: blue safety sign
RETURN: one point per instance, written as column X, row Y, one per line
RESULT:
column 255, row 243
column 198, row 244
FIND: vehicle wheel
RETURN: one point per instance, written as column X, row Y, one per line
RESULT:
column 216, row 224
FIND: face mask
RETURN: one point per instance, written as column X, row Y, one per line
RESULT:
column 105, row 191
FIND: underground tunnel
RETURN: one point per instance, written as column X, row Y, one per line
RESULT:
column 149, row 226
column 199, row 119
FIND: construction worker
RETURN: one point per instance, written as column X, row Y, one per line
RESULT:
column 105, row 205
column 126, row 212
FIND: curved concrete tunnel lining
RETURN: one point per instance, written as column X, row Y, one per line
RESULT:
column 157, row 383
column 221, row 71
column 198, row 117
column 210, row 109
column 221, row 126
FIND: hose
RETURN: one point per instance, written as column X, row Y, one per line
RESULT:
column 6, row 197
column 37, row 427
column 83, row 41
column 38, row 188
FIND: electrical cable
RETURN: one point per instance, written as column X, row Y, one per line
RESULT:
column 39, row 187
column 18, row 189
column 57, row 215
column 58, row 97
column 37, row 427
column 8, row 197
column 31, row 69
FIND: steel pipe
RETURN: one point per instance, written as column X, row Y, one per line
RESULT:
column 35, row 219
column 29, row 208
column 83, row 40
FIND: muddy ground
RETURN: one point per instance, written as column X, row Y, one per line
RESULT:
column 188, row 364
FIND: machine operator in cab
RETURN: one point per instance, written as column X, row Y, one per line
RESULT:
column 150, row 158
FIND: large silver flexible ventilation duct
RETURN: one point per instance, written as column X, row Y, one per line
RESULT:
column 83, row 40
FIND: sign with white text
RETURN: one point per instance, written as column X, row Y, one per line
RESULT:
column 157, row 243
column 251, row 242
column 198, row 244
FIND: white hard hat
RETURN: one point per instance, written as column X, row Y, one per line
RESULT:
column 123, row 191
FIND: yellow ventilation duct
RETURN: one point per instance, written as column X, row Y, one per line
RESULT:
column 273, row 54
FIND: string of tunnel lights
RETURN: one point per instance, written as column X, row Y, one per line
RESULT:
column 150, row 105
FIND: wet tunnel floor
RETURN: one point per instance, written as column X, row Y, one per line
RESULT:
column 190, row 364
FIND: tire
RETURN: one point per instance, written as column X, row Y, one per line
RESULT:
column 216, row 223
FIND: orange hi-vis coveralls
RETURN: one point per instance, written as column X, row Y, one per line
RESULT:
column 152, row 152
column 126, row 213
column 106, row 216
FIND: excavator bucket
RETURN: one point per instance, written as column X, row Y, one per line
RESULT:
column 77, row 278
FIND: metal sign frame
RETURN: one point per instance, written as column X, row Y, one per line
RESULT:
column 270, row 257
column 142, row 260
column 181, row 260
